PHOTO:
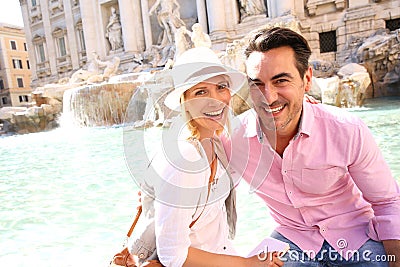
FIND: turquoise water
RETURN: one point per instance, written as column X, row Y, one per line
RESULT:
column 67, row 197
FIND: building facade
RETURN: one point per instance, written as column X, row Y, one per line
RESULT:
column 15, row 73
column 62, row 34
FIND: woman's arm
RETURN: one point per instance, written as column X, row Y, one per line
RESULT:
column 197, row 257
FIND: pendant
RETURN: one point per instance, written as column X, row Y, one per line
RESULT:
column 214, row 184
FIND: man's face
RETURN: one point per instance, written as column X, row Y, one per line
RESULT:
column 277, row 90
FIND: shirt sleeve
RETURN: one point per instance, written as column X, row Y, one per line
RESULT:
column 172, row 219
column 373, row 177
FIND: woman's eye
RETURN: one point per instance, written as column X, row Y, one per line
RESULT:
column 222, row 85
column 200, row 92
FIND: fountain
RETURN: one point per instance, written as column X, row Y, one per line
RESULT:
column 100, row 95
column 44, row 217
column 347, row 88
column 98, row 104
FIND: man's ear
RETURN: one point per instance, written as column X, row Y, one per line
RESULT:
column 308, row 79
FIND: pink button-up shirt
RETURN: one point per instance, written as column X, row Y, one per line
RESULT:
column 332, row 182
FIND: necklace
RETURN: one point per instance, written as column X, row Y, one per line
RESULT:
column 214, row 184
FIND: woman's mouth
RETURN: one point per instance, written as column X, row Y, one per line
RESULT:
column 215, row 114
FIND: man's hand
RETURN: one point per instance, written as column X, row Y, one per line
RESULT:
column 270, row 259
column 392, row 248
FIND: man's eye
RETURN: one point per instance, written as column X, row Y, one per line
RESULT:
column 255, row 84
column 280, row 81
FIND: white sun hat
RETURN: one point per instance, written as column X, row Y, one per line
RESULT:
column 195, row 66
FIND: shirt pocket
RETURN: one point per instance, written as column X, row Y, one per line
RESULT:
column 320, row 181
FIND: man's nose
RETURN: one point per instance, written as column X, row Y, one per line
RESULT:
column 270, row 94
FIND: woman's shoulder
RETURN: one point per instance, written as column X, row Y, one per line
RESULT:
column 185, row 149
column 182, row 166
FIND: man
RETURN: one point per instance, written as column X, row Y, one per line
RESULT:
column 317, row 168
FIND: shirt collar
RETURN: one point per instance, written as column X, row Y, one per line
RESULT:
column 307, row 119
column 251, row 124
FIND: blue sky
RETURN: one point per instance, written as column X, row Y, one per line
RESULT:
column 10, row 12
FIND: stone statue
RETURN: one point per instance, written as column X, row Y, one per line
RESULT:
column 113, row 31
column 83, row 75
column 199, row 37
column 182, row 41
column 252, row 7
column 137, row 63
column 234, row 56
column 168, row 17
column 110, row 69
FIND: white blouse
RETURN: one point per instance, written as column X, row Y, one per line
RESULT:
column 179, row 187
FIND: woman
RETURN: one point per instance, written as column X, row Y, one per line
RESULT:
column 194, row 196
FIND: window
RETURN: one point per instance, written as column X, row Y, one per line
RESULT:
column 23, row 98
column 17, row 63
column 13, row 45
column 327, row 42
column 61, row 46
column 1, row 84
column 4, row 100
column 20, row 82
column 25, row 47
column 28, row 65
column 82, row 40
column 33, row 2
column 392, row 24
column 42, row 57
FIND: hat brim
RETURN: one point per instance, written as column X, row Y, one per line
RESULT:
column 237, row 81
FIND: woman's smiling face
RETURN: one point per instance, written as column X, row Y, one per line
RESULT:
column 207, row 104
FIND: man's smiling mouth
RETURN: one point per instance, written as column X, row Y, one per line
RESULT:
column 274, row 110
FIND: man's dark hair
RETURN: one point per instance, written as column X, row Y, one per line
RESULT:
column 267, row 39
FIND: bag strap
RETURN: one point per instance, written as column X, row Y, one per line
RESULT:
column 134, row 221
column 213, row 170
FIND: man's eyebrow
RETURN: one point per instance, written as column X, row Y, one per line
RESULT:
column 255, row 80
column 282, row 74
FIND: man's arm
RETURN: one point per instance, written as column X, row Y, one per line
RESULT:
column 197, row 257
column 372, row 175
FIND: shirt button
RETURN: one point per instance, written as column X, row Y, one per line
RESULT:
column 285, row 171
column 290, row 192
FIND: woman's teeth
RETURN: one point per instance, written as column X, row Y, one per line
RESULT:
column 214, row 113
